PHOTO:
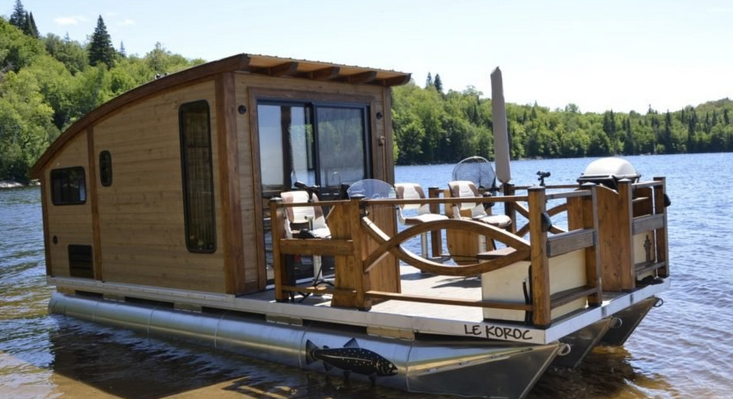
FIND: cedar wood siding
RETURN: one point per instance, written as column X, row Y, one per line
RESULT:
column 141, row 215
column 70, row 224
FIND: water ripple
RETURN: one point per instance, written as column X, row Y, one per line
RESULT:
column 681, row 350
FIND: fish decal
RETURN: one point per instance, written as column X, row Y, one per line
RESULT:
column 351, row 358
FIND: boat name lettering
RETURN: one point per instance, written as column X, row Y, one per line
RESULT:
column 497, row 332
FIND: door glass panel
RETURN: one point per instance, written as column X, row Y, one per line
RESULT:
column 286, row 146
column 301, row 146
column 271, row 148
column 341, row 145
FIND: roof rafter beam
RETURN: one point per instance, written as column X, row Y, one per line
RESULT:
column 329, row 73
column 363, row 77
column 284, row 69
column 397, row 80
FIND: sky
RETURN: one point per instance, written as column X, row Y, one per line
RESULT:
column 614, row 55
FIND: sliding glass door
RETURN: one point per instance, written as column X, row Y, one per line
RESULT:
column 312, row 143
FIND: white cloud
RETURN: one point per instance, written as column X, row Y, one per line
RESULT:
column 73, row 20
column 112, row 14
column 126, row 22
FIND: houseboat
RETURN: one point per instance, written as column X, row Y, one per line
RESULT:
column 250, row 204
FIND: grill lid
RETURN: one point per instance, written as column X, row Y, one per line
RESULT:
column 608, row 171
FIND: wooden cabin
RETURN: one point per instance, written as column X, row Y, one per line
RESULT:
column 167, row 185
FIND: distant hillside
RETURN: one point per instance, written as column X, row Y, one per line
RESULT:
column 435, row 127
column 48, row 82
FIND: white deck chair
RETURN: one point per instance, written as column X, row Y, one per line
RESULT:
column 415, row 191
column 466, row 189
column 305, row 217
column 475, row 211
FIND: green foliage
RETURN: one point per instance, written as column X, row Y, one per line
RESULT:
column 163, row 62
column 16, row 49
column 26, row 127
column 70, row 53
column 29, row 27
column 438, row 83
column 430, row 128
column 47, row 83
column 18, row 17
column 101, row 50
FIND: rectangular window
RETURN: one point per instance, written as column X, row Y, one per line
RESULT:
column 317, row 144
column 68, row 186
column 198, row 181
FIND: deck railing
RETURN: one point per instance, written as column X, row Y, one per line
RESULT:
column 367, row 247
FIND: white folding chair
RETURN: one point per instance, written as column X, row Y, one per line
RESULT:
column 415, row 191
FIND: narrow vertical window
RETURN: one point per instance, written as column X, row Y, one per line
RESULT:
column 198, row 183
column 105, row 168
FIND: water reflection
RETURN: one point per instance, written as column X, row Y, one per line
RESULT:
column 128, row 365
column 606, row 373
column 83, row 357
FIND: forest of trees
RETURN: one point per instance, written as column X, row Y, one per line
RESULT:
column 48, row 82
column 431, row 126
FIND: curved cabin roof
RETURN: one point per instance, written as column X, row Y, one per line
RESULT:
column 257, row 64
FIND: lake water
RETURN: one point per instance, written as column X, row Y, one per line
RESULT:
column 682, row 350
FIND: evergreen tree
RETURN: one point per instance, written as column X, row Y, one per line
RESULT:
column 429, row 80
column 100, row 48
column 609, row 127
column 30, row 28
column 667, row 137
column 122, row 49
column 438, row 84
column 629, row 148
column 18, row 18
column 691, row 147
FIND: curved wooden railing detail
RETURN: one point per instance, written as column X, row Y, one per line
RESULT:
column 554, row 211
column 364, row 250
column 393, row 245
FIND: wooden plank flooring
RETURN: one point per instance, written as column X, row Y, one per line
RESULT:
column 416, row 283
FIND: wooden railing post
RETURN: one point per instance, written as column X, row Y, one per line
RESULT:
column 540, row 269
column 277, row 229
column 592, row 254
column 509, row 209
column 436, row 237
column 662, row 239
column 359, row 279
column 625, row 243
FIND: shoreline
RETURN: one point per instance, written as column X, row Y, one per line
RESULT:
column 9, row 184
